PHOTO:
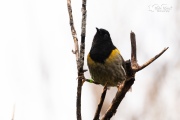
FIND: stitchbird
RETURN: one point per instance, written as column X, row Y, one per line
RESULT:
column 105, row 63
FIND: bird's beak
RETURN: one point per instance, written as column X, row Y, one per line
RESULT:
column 98, row 31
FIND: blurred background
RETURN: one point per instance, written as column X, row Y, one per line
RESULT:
column 38, row 70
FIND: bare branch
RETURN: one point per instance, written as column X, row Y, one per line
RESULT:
column 83, row 25
column 150, row 61
column 134, row 63
column 83, row 35
column 98, row 110
column 133, row 46
column 78, row 101
column 73, row 31
column 79, row 58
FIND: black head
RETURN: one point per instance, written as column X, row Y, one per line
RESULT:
column 101, row 36
column 102, row 45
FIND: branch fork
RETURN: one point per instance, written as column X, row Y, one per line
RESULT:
column 79, row 55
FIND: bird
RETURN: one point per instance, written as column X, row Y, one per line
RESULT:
column 105, row 63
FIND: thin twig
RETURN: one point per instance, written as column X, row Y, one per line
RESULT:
column 150, row 61
column 134, row 63
column 98, row 110
column 83, row 35
column 73, row 31
column 78, row 101
column 81, row 60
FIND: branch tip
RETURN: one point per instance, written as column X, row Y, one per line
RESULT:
column 150, row 60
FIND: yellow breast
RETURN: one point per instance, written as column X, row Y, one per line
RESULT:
column 111, row 57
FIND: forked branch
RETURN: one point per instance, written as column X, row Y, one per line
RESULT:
column 131, row 68
column 79, row 55
column 135, row 66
